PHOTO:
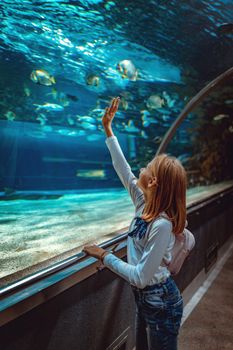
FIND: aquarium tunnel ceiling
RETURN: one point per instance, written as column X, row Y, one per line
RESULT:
column 61, row 63
column 84, row 46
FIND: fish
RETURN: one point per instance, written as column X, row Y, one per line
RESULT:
column 143, row 134
column 98, row 113
column 229, row 102
column 184, row 158
column 9, row 190
column 93, row 80
column 88, row 126
column 166, row 118
column 70, row 120
column 130, row 127
column 124, row 104
column 72, row 97
column 220, row 117
column 109, row 4
column 225, row 28
column 42, row 119
column 86, row 119
column 68, row 132
column 26, row 91
column 50, row 107
column 155, row 102
column 59, row 96
column 92, row 174
column 157, row 139
column 230, row 128
column 146, row 121
column 10, row 115
column 165, row 111
column 41, row 76
column 127, row 70
column 170, row 102
column 64, row 132
column 144, row 113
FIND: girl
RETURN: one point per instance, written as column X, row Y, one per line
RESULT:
column 159, row 196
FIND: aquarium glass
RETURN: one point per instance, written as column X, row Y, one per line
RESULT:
column 61, row 63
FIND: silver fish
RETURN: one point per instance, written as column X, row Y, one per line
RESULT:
column 50, row 107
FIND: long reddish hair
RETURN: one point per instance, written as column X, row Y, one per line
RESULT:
column 169, row 194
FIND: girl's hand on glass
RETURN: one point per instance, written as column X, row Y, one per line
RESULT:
column 110, row 112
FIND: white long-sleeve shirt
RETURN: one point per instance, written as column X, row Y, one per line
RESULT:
column 144, row 255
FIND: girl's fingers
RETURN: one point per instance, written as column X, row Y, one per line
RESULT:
column 112, row 105
column 115, row 104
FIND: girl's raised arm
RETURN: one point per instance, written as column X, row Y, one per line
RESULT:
column 120, row 164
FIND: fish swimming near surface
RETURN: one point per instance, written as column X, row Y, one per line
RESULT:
column 220, row 117
column 49, row 107
column 93, row 80
column 127, row 70
column 92, row 174
column 41, row 76
column 225, row 28
column 155, row 102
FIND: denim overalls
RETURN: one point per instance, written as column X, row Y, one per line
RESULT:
column 159, row 311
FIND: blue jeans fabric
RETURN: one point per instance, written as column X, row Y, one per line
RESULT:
column 159, row 309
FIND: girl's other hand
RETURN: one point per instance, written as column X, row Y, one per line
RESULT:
column 94, row 250
column 110, row 112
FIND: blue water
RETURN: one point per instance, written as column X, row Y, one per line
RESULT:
column 57, row 183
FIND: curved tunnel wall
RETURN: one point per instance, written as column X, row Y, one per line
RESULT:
column 101, row 304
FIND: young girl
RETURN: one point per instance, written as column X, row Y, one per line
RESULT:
column 159, row 196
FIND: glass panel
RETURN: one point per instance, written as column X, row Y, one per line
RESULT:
column 61, row 63
column 204, row 143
